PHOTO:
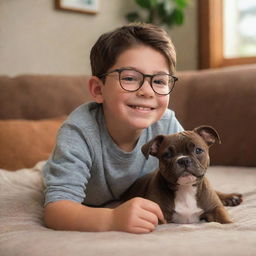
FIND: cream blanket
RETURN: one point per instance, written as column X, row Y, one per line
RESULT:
column 22, row 231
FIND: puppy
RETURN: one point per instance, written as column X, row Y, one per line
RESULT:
column 179, row 186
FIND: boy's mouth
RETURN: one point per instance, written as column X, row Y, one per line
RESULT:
column 143, row 108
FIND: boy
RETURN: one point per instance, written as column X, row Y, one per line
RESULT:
column 97, row 154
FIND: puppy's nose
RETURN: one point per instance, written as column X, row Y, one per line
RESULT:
column 184, row 161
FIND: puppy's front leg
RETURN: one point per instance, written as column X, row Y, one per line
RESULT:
column 218, row 214
column 232, row 199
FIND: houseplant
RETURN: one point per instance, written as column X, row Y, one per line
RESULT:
column 159, row 12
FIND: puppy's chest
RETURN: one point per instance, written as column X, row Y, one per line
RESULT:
column 186, row 209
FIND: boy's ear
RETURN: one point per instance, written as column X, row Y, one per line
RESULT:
column 95, row 89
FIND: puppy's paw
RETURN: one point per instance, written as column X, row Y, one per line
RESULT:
column 218, row 214
column 223, row 219
column 232, row 199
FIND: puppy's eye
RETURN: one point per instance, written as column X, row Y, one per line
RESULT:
column 199, row 151
column 167, row 154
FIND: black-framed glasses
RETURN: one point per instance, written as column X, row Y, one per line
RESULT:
column 131, row 80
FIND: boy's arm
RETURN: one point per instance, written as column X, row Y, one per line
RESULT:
column 137, row 215
column 69, row 215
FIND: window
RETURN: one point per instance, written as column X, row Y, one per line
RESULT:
column 227, row 32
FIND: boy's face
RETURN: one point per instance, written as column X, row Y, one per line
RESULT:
column 135, row 110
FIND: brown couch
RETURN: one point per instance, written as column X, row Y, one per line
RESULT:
column 224, row 98
column 32, row 107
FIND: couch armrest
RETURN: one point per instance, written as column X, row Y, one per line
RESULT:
column 225, row 99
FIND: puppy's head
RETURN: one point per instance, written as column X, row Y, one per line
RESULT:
column 183, row 157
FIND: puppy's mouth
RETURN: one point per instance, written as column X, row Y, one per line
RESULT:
column 187, row 178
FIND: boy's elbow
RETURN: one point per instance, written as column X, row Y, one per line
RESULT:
column 57, row 216
column 64, row 215
column 51, row 216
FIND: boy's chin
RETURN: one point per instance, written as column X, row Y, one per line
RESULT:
column 141, row 125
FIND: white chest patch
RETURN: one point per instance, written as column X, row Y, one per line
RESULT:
column 186, row 210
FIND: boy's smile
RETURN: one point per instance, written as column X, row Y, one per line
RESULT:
column 141, row 108
column 128, row 113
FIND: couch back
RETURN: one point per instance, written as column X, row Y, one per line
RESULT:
column 41, row 96
column 223, row 98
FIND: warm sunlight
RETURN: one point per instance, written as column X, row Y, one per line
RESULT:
column 239, row 28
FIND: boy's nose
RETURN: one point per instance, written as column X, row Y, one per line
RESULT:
column 146, row 89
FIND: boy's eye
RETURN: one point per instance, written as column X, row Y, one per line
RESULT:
column 129, row 78
column 160, row 82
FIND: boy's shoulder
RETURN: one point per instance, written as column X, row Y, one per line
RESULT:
column 168, row 114
column 85, row 116
column 167, row 124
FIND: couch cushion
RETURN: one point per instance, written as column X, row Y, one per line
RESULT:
column 41, row 96
column 23, row 143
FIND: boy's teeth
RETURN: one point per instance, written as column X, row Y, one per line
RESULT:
column 141, row 108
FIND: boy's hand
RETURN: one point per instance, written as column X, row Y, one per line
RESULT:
column 137, row 215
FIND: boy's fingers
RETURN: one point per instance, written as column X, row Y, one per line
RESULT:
column 139, row 230
column 145, row 224
column 154, row 208
column 149, row 217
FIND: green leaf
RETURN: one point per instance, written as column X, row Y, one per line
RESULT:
column 169, row 20
column 181, row 3
column 143, row 3
column 132, row 16
column 178, row 16
column 161, row 11
column 153, row 3
column 146, row 4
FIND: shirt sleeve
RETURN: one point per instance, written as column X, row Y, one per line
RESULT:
column 67, row 171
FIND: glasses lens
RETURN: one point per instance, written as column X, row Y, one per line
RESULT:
column 130, row 80
column 162, row 84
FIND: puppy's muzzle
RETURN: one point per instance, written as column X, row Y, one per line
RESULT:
column 184, row 162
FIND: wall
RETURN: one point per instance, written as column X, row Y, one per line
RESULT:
column 36, row 38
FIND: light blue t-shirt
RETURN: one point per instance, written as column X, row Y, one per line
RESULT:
column 86, row 165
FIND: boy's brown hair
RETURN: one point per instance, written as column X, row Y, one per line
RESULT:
column 110, row 45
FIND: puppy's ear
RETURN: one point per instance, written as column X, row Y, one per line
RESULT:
column 209, row 134
column 152, row 147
